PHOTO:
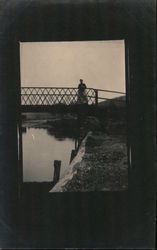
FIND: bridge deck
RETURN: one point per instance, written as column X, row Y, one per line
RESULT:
column 56, row 108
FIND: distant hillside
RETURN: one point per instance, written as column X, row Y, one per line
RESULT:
column 117, row 102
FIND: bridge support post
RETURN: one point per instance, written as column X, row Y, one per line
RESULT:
column 96, row 96
column 57, row 167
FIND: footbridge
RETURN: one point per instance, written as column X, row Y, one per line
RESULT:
column 44, row 99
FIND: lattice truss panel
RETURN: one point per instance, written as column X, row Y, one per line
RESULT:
column 53, row 96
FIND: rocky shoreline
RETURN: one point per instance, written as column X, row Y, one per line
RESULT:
column 103, row 166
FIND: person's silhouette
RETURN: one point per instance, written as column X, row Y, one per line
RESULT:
column 82, row 96
column 82, row 101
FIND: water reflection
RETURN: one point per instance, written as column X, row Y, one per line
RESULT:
column 40, row 149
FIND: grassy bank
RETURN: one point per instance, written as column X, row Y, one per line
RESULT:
column 104, row 164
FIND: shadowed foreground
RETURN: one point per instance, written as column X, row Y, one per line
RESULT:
column 111, row 216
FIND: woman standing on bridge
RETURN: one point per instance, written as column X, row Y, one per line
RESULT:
column 82, row 101
column 82, row 96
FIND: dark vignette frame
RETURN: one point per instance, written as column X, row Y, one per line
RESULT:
column 89, row 212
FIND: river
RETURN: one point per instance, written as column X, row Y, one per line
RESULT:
column 43, row 142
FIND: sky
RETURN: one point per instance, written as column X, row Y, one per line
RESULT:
column 101, row 64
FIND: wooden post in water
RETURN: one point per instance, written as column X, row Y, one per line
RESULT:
column 57, row 167
column 73, row 154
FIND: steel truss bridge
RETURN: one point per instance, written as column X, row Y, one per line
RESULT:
column 48, row 98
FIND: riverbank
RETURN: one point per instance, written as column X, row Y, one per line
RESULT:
column 59, row 125
column 103, row 166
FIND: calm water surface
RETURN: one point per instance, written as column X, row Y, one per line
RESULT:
column 39, row 152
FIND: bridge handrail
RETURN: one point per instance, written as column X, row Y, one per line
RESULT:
column 55, row 95
column 102, row 90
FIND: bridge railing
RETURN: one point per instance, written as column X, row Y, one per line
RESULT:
column 53, row 96
column 47, row 96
